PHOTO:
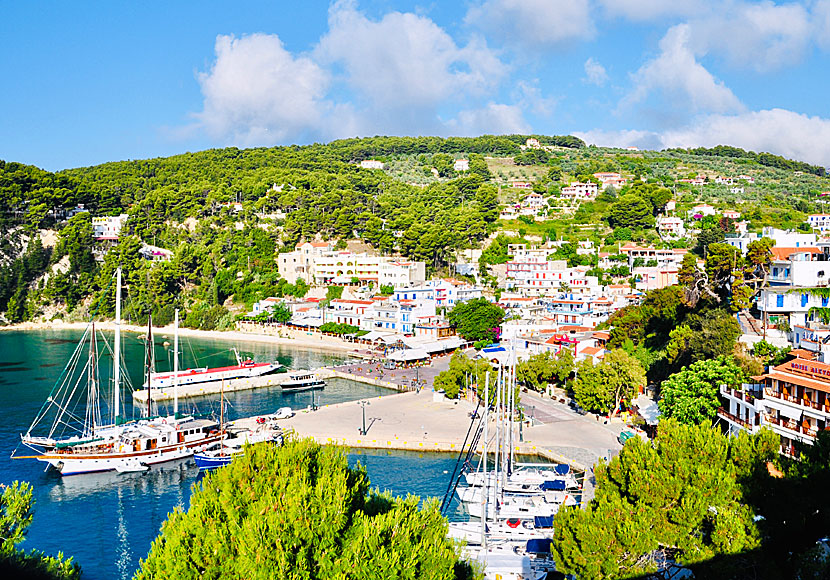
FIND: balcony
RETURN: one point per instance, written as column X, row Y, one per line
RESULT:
column 825, row 408
column 790, row 425
column 735, row 419
column 739, row 394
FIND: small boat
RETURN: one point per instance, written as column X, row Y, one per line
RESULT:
column 302, row 381
column 131, row 465
column 222, row 453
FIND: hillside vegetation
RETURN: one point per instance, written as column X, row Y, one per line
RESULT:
column 418, row 206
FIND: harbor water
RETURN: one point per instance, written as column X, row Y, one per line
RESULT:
column 108, row 521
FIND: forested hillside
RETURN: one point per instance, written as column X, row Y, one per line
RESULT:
column 418, row 206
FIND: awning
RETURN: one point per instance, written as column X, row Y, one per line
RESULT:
column 647, row 409
column 815, row 414
column 373, row 335
column 784, row 409
column 392, row 338
column 407, row 355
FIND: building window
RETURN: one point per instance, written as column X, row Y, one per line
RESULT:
column 779, row 300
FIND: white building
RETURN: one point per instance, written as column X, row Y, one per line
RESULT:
column 107, row 229
column 579, row 190
column 671, row 227
column 664, row 257
column 611, row 179
column 819, row 221
column 371, row 164
column 461, row 165
column 702, row 209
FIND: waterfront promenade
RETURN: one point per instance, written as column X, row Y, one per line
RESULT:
column 422, row 421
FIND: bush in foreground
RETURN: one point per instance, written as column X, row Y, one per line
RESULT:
column 300, row 511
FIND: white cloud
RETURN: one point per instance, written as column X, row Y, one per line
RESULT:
column 792, row 135
column 676, row 74
column 257, row 92
column 533, row 22
column 778, row 131
column 645, row 10
column 821, row 21
column 595, row 73
column 494, row 119
column 405, row 60
column 761, row 36
column 622, row 139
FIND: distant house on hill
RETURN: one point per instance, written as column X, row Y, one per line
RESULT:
column 371, row 164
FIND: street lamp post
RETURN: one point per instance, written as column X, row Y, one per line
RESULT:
column 363, row 407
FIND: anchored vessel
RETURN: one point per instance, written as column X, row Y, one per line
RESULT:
column 244, row 369
column 79, row 440
column 302, row 381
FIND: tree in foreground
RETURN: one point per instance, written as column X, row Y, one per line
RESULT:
column 15, row 517
column 691, row 395
column 476, row 320
column 299, row 511
column 601, row 388
column 678, row 498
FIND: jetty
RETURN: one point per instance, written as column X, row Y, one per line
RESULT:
column 214, row 388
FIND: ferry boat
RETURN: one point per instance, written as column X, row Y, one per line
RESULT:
column 244, row 369
column 302, row 381
column 78, row 440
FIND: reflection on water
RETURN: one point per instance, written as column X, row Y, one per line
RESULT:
column 107, row 522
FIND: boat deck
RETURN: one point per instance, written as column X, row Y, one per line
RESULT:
column 214, row 388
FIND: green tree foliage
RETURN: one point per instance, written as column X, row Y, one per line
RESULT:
column 767, row 159
column 656, row 195
column 678, row 497
column 16, row 514
column 601, row 388
column 632, row 211
column 477, row 319
column 338, row 328
column 299, row 511
column 462, row 372
column 546, row 367
column 769, row 353
column 692, row 395
column 281, row 313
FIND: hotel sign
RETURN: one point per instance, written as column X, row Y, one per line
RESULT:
column 803, row 367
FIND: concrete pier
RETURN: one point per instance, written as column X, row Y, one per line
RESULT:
column 207, row 389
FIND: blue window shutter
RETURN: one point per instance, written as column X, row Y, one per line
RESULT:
column 824, row 302
column 804, row 299
column 779, row 300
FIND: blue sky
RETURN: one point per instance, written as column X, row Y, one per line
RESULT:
column 92, row 82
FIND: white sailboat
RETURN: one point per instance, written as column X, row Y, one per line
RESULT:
column 506, row 540
column 77, row 443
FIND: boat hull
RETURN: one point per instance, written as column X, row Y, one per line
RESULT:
column 71, row 464
column 207, row 462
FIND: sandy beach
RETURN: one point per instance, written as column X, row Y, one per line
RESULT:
column 301, row 339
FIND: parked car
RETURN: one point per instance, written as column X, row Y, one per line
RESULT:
column 625, row 436
column 284, row 413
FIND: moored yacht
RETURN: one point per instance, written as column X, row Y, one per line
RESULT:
column 302, row 381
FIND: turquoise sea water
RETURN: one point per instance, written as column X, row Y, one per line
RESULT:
column 108, row 521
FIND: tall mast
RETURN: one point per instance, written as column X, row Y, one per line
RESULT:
column 92, row 388
column 484, row 462
column 150, row 364
column 116, row 359
column 222, row 419
column 176, row 368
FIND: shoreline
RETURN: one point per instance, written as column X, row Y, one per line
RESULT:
column 287, row 337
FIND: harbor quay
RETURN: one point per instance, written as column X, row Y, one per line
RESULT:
column 363, row 371
column 426, row 421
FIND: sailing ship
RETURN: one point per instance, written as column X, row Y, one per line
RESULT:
column 82, row 442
